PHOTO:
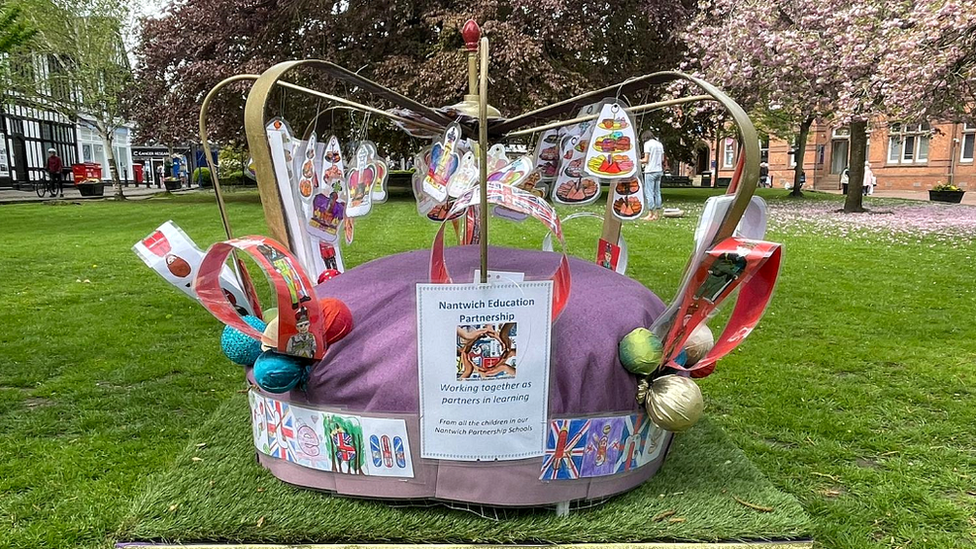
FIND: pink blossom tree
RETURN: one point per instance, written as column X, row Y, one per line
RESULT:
column 800, row 60
column 934, row 54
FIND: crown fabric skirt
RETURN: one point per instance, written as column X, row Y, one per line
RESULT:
column 372, row 375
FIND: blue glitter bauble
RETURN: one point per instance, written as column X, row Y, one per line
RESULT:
column 278, row 373
column 242, row 349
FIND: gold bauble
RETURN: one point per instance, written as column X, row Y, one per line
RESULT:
column 674, row 403
column 699, row 343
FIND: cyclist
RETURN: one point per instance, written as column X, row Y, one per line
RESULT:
column 54, row 169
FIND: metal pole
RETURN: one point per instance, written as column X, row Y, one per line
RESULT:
column 483, row 146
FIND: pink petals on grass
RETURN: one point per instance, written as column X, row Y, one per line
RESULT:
column 887, row 222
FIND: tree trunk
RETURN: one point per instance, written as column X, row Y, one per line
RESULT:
column 108, row 141
column 798, row 154
column 855, row 185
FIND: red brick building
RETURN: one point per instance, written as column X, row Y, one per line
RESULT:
column 903, row 157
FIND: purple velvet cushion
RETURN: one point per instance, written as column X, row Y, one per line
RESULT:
column 374, row 368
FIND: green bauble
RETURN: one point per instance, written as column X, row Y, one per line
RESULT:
column 640, row 351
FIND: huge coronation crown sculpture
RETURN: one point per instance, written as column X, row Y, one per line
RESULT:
column 473, row 374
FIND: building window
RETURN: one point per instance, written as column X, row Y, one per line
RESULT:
column 908, row 143
column 968, row 142
column 728, row 153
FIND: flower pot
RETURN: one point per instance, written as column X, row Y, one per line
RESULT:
column 91, row 189
column 953, row 197
column 171, row 183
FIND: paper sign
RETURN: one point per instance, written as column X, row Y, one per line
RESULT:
column 171, row 253
column 600, row 446
column 347, row 446
column 281, row 429
column 330, row 441
column 608, row 255
column 483, row 352
column 259, row 422
column 309, row 444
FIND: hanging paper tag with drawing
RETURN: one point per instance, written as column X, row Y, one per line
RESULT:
column 332, row 165
column 444, row 161
column 547, row 154
column 628, row 198
column 466, row 177
column 309, row 179
column 573, row 186
column 497, row 158
column 328, row 211
column 359, row 183
column 612, row 151
column 379, row 193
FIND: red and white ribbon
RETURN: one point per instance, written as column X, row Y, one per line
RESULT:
column 297, row 303
column 733, row 263
column 519, row 201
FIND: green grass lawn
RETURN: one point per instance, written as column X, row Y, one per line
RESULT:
column 855, row 394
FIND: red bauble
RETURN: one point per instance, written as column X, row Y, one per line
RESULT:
column 328, row 274
column 336, row 318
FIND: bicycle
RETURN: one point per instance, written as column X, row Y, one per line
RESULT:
column 43, row 186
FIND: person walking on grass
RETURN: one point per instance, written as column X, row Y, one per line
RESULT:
column 869, row 180
column 54, row 172
column 653, row 162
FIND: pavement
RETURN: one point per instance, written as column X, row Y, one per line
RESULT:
column 969, row 198
column 10, row 196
